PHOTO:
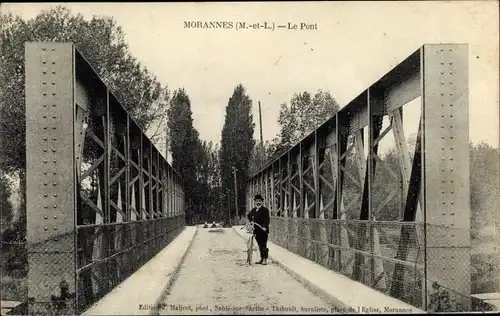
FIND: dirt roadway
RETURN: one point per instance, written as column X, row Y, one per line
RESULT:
column 215, row 279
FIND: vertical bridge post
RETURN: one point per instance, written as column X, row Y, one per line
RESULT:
column 446, row 188
column 50, row 177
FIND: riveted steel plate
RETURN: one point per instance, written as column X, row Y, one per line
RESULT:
column 446, row 135
column 49, row 140
column 446, row 164
column 50, row 176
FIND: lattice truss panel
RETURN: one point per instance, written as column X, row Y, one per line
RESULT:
column 364, row 180
column 109, row 200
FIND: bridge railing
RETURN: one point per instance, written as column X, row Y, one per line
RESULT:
column 337, row 245
column 380, row 191
column 101, row 199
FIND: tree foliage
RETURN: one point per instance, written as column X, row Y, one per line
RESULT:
column 297, row 118
column 6, row 209
column 237, row 144
column 214, row 204
column 303, row 114
column 185, row 147
column 484, row 175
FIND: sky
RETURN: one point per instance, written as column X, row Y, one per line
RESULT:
column 354, row 44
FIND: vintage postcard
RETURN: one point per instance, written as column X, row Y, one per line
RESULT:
column 212, row 158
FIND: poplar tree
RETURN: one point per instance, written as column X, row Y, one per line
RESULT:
column 185, row 148
column 236, row 148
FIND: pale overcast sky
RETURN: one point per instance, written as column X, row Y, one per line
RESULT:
column 354, row 45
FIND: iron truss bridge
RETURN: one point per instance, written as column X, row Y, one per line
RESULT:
column 379, row 192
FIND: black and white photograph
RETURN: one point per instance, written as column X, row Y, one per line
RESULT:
column 249, row 158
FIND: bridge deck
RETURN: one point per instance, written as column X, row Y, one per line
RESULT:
column 204, row 272
column 215, row 278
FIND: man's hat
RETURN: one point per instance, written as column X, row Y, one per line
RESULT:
column 258, row 197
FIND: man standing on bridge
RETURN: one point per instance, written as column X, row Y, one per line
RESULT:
column 260, row 215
